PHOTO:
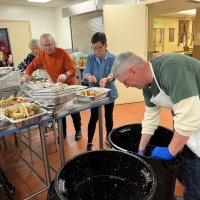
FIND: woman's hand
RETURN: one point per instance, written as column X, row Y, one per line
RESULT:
column 92, row 79
column 103, row 82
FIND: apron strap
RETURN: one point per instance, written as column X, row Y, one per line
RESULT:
column 155, row 77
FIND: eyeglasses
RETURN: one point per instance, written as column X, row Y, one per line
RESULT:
column 47, row 45
column 97, row 48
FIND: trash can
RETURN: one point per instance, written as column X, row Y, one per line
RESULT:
column 127, row 138
column 105, row 175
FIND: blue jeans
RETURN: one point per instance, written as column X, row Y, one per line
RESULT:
column 190, row 172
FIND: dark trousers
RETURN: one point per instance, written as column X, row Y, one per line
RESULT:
column 76, row 121
column 94, row 118
column 190, row 173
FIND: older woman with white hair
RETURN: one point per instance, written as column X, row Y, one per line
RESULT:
column 34, row 46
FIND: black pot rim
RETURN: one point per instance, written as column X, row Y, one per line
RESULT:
column 125, row 150
column 154, row 181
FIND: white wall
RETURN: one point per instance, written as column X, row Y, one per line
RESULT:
column 62, row 29
column 41, row 19
column 46, row 20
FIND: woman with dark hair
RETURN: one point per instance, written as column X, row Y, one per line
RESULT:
column 98, row 74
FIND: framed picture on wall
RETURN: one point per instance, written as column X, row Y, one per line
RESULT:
column 171, row 34
column 5, row 49
column 158, row 36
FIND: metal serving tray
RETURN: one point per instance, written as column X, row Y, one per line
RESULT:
column 29, row 120
column 49, row 100
column 103, row 93
column 57, row 108
column 5, row 94
column 51, row 92
column 4, row 124
column 40, row 85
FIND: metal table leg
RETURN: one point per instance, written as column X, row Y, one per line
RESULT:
column 54, row 133
column 100, row 128
column 18, row 134
column 30, row 143
column 61, row 144
column 44, row 154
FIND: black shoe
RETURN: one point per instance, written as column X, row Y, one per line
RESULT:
column 78, row 135
column 90, row 147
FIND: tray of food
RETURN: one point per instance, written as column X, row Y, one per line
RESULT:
column 23, row 114
column 55, row 89
column 10, row 101
column 93, row 93
column 40, row 85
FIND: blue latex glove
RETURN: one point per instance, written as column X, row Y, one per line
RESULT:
column 162, row 153
column 141, row 153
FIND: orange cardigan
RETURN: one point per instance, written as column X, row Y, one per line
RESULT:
column 59, row 62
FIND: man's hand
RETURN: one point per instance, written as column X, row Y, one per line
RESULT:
column 62, row 78
column 92, row 79
column 103, row 82
column 26, row 78
column 141, row 152
column 162, row 153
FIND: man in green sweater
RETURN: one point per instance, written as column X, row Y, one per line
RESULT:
column 171, row 81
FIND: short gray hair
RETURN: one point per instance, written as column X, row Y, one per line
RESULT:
column 47, row 35
column 34, row 43
column 124, row 61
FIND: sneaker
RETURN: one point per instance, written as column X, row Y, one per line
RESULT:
column 78, row 135
column 90, row 147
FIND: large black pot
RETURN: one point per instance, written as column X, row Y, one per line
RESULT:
column 127, row 139
column 105, row 175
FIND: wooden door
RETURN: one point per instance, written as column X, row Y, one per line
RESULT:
column 126, row 30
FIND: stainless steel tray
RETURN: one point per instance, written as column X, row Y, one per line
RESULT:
column 57, row 108
column 29, row 120
column 40, row 85
column 4, row 124
column 53, row 100
column 5, row 94
column 103, row 93
column 52, row 92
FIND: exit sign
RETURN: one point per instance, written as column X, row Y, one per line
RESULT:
column 157, row 22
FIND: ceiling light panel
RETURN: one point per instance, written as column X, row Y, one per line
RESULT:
column 39, row 1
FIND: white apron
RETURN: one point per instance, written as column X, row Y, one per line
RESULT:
column 163, row 100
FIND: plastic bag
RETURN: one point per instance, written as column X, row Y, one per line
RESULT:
column 10, row 80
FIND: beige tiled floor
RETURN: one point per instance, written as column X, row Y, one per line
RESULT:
column 26, row 182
